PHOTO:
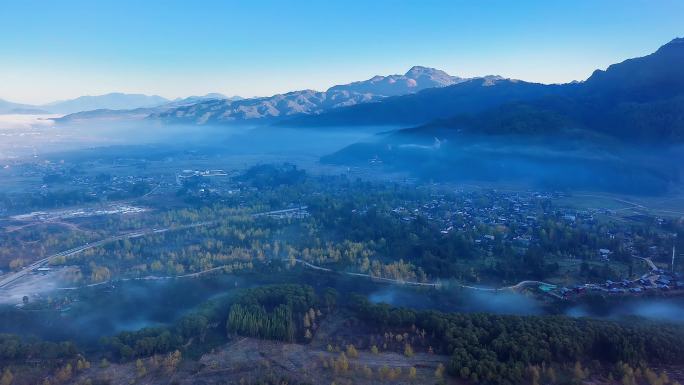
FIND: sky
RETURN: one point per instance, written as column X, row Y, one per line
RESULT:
column 54, row 50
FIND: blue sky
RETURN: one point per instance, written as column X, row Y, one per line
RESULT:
column 62, row 49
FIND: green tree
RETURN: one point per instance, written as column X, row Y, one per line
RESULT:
column 7, row 377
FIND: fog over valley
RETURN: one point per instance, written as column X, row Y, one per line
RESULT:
column 443, row 218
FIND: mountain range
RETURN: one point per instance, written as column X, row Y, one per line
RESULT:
column 310, row 102
column 109, row 102
column 7, row 107
column 638, row 99
column 114, row 101
column 218, row 108
column 620, row 130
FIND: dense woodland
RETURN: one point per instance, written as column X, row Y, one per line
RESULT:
column 380, row 230
column 16, row 349
column 385, row 230
column 198, row 327
column 285, row 313
column 484, row 348
column 498, row 349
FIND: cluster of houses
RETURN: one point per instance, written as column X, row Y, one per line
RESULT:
column 481, row 213
column 657, row 280
column 185, row 174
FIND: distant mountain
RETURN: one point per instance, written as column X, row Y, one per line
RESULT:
column 638, row 99
column 140, row 113
column 435, row 103
column 292, row 103
column 107, row 115
column 18, row 108
column 112, row 101
column 112, row 105
column 416, row 79
column 620, row 130
column 308, row 101
column 197, row 99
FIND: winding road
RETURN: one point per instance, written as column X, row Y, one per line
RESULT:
column 8, row 279
column 518, row 286
column 12, row 277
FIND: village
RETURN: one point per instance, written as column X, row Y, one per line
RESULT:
column 595, row 250
column 494, row 220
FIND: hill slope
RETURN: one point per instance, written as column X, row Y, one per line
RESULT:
column 621, row 130
column 639, row 99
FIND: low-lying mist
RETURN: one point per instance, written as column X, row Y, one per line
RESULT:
column 465, row 300
column 565, row 162
column 660, row 309
column 40, row 135
column 669, row 309
column 107, row 310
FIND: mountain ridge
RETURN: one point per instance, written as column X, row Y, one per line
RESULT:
column 637, row 99
column 311, row 102
column 113, row 101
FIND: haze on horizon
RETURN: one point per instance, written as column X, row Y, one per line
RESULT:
column 60, row 50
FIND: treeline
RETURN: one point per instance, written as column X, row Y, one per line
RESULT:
column 279, row 312
column 363, row 213
column 499, row 349
column 144, row 342
column 255, row 321
column 164, row 339
column 14, row 348
column 269, row 175
column 18, row 202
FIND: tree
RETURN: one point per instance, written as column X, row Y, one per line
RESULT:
column 412, row 372
column 330, row 298
column 551, row 375
column 341, row 365
column 7, row 377
column 383, row 372
column 439, row 371
column 654, row 379
column 351, row 352
column 16, row 264
column 374, row 350
column 140, row 369
column 534, row 374
column 64, row 373
column 82, row 364
column 172, row 360
column 579, row 374
column 408, row 350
